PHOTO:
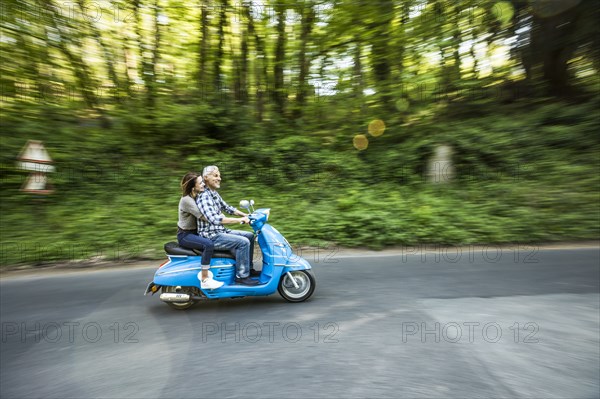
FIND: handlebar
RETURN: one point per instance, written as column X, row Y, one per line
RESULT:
column 249, row 218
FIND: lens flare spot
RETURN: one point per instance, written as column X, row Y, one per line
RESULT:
column 376, row 127
column 402, row 104
column 503, row 12
column 360, row 141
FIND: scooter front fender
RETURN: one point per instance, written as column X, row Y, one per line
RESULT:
column 296, row 263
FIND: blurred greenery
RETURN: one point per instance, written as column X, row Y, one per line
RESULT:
column 126, row 105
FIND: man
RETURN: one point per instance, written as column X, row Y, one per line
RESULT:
column 212, row 206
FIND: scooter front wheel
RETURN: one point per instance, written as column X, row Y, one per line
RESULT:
column 302, row 289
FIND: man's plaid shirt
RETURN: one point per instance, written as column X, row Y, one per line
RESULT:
column 212, row 206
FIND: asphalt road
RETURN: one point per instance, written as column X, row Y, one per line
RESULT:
column 385, row 326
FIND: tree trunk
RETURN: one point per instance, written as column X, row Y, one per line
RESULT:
column 202, row 81
column 244, row 68
column 151, row 99
column 554, row 40
column 381, row 54
column 108, row 56
column 555, row 51
column 80, row 69
column 308, row 18
column 279, row 93
column 126, row 58
column 218, row 82
column 357, row 74
column 143, row 64
column 260, row 65
column 450, row 70
column 241, row 69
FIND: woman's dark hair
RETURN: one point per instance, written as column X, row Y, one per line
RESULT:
column 188, row 182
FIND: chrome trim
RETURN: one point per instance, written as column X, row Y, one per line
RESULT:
column 174, row 297
column 180, row 270
column 296, row 286
column 221, row 266
column 192, row 268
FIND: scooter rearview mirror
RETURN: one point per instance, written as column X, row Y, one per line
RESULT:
column 244, row 204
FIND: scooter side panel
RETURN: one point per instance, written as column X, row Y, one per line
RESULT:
column 183, row 271
column 187, row 278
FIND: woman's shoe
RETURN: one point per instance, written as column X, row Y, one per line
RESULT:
column 210, row 284
column 210, row 275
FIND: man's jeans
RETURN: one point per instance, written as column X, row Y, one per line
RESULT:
column 250, row 236
column 241, row 245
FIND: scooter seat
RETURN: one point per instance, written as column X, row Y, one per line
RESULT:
column 173, row 248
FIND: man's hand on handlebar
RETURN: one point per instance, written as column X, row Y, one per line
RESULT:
column 244, row 220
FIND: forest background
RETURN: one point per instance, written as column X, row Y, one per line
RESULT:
column 328, row 112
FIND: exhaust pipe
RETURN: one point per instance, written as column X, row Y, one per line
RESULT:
column 174, row 297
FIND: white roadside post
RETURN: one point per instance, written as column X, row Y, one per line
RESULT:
column 36, row 159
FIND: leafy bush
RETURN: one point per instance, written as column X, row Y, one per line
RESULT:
column 524, row 172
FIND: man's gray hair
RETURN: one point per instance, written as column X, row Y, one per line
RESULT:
column 208, row 170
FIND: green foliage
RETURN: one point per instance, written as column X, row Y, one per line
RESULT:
column 126, row 104
column 525, row 173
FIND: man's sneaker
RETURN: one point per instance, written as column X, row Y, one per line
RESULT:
column 210, row 284
column 246, row 281
column 254, row 273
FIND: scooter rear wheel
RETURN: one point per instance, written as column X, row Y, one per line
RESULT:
column 178, row 305
column 305, row 281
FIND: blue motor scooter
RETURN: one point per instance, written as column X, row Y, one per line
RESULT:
column 282, row 270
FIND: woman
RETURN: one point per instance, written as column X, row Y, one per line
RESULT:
column 187, row 226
